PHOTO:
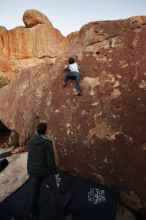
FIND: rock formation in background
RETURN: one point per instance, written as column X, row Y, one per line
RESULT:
column 102, row 134
column 27, row 46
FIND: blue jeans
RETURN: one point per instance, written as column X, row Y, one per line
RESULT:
column 76, row 77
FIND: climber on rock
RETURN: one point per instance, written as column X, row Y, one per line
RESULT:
column 74, row 73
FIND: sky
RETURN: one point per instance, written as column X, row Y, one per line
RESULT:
column 69, row 16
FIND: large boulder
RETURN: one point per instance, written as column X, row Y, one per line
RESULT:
column 33, row 17
column 100, row 135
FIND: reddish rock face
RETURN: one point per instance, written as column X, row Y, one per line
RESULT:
column 100, row 135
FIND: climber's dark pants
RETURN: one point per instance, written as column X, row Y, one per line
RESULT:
column 76, row 77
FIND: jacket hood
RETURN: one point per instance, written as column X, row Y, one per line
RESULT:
column 37, row 140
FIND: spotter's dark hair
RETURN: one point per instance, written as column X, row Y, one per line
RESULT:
column 41, row 128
